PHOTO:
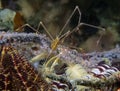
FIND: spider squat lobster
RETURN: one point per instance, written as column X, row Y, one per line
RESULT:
column 61, row 37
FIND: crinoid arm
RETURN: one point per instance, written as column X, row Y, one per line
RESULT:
column 16, row 73
column 86, row 79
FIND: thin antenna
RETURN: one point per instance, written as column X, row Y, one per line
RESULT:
column 76, row 8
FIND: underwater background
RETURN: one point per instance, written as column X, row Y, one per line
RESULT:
column 85, row 56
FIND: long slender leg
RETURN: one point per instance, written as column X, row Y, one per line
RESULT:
column 76, row 9
column 97, row 27
column 36, row 30
column 26, row 25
